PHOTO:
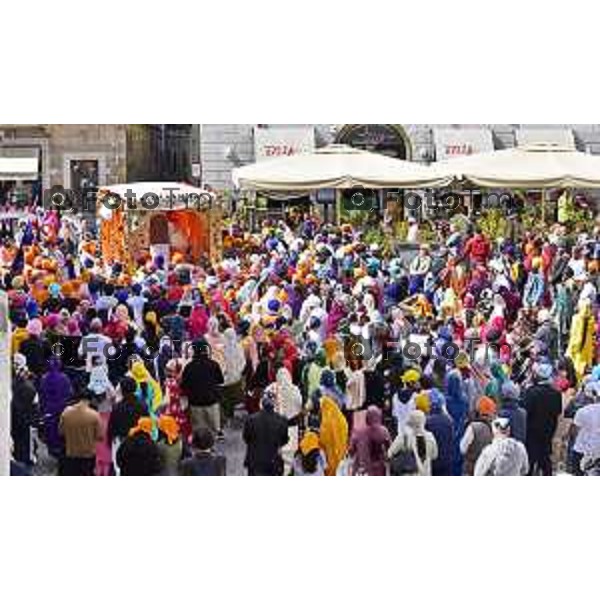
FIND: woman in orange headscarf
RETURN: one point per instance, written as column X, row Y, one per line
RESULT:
column 170, row 444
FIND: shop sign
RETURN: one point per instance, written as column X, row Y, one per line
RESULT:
column 276, row 142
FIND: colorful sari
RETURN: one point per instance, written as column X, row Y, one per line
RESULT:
column 333, row 434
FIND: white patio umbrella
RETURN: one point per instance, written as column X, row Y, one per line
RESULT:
column 337, row 167
column 539, row 166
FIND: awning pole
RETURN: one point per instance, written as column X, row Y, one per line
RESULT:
column 543, row 207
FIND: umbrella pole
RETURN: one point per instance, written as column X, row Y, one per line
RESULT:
column 543, row 206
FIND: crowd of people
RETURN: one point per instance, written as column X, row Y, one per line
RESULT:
column 329, row 355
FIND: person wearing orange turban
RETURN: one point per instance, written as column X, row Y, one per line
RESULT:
column 478, row 434
column 170, row 444
column 139, row 455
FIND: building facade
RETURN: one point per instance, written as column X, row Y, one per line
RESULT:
column 220, row 148
column 92, row 156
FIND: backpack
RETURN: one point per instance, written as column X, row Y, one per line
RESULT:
column 403, row 463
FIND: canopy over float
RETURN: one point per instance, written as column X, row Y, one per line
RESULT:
column 337, row 167
column 184, row 224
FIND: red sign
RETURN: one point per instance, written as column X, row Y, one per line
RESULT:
column 276, row 142
column 273, row 151
column 459, row 150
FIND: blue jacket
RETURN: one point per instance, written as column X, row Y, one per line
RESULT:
column 517, row 416
column 458, row 408
column 441, row 426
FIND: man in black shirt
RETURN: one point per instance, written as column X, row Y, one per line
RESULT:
column 204, row 462
column 543, row 404
column 265, row 434
column 36, row 349
column 24, row 411
column 139, row 456
column 125, row 414
column 202, row 383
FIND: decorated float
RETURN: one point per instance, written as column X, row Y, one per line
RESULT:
column 176, row 221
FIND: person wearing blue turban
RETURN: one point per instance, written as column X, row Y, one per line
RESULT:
column 441, row 426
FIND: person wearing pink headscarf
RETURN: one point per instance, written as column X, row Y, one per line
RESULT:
column 198, row 322
column 73, row 329
column 337, row 313
column 369, row 445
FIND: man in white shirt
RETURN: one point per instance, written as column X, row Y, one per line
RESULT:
column 94, row 344
column 137, row 303
column 587, row 421
column 588, row 291
column 107, row 302
column 412, row 237
column 419, row 267
column 577, row 265
column 505, row 456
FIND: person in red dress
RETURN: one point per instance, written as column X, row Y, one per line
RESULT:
column 175, row 403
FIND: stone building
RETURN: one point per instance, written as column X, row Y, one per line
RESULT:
column 89, row 156
column 220, row 148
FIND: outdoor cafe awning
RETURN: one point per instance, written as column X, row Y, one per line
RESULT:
column 540, row 166
column 337, row 166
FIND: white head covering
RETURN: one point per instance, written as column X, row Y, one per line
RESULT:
column 20, row 363
column 235, row 359
column 416, row 421
column 288, row 399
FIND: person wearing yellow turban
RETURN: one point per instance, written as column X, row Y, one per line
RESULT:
column 311, row 460
column 310, row 442
column 419, row 306
column 331, row 346
column 423, row 403
column 148, row 389
column 582, row 339
column 537, row 262
column 19, row 335
column 423, row 308
column 412, row 376
column 333, row 434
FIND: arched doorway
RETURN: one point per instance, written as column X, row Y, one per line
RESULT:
column 390, row 140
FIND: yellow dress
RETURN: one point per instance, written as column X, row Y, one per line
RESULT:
column 333, row 434
column 581, row 341
column 20, row 334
